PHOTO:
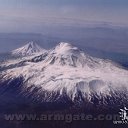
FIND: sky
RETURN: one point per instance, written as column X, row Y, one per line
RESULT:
column 28, row 15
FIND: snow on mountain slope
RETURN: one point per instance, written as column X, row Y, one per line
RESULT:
column 66, row 54
column 68, row 70
column 29, row 49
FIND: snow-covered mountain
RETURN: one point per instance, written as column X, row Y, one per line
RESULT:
column 64, row 54
column 29, row 49
column 66, row 71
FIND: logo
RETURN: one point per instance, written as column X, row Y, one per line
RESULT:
column 123, row 116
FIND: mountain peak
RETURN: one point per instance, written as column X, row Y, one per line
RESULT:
column 67, row 54
column 32, row 43
column 28, row 49
column 65, row 44
column 64, row 48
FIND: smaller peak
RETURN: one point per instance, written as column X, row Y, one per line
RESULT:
column 30, row 48
column 32, row 43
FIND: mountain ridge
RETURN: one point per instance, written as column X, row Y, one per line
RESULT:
column 58, row 74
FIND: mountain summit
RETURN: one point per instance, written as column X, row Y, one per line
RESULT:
column 66, row 54
column 28, row 49
column 63, row 48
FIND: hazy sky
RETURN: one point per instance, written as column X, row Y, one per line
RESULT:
column 25, row 15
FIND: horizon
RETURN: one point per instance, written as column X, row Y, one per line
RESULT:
column 84, row 23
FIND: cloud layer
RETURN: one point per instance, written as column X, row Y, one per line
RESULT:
column 32, row 13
